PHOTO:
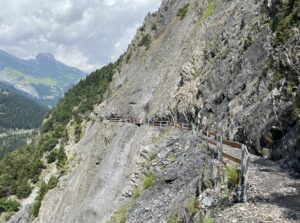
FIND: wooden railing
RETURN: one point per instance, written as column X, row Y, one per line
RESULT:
column 210, row 137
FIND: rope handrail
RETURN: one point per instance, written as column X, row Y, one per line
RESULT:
column 217, row 141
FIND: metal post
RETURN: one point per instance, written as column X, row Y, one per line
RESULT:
column 244, row 177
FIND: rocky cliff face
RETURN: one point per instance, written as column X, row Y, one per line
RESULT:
column 201, row 61
column 211, row 67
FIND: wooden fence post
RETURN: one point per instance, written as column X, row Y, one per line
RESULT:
column 244, row 177
column 194, row 129
column 219, row 147
column 201, row 135
column 207, row 138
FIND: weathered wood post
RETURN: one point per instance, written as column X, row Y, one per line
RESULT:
column 201, row 139
column 194, row 129
column 244, row 177
column 207, row 138
column 219, row 147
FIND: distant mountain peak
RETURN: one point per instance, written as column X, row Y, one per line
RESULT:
column 43, row 78
column 45, row 57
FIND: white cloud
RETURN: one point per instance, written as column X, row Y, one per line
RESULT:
column 85, row 34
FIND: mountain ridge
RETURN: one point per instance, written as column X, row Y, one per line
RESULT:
column 43, row 78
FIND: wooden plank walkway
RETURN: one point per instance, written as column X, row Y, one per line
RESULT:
column 230, row 150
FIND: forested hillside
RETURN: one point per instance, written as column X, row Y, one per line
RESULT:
column 11, row 140
column 17, row 111
column 24, row 165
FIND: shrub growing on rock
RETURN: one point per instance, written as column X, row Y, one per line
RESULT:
column 52, row 156
column 38, row 200
column 8, row 205
column 232, row 175
column 145, row 41
column 52, row 182
column 149, row 180
column 23, row 190
column 182, row 11
column 61, row 157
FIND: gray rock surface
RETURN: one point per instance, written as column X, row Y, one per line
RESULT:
column 87, row 194
column 208, row 68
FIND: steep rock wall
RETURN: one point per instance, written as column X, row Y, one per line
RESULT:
column 209, row 68
column 106, row 158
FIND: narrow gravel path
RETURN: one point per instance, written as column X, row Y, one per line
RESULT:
column 274, row 196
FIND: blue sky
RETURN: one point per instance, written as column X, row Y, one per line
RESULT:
column 82, row 33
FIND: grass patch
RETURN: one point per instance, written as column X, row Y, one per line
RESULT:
column 196, row 73
column 152, row 156
column 30, row 79
column 182, row 11
column 208, row 11
column 224, row 53
column 233, row 176
column 136, row 192
column 120, row 215
column 172, row 158
column 149, row 180
column 208, row 219
column 163, row 135
column 172, row 219
column 193, row 206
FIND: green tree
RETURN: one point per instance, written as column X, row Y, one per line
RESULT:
column 61, row 157
column 38, row 200
column 182, row 11
column 145, row 41
column 48, row 142
column 77, row 133
column 23, row 190
column 6, row 182
column 52, row 156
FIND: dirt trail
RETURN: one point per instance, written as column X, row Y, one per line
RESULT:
column 274, row 196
